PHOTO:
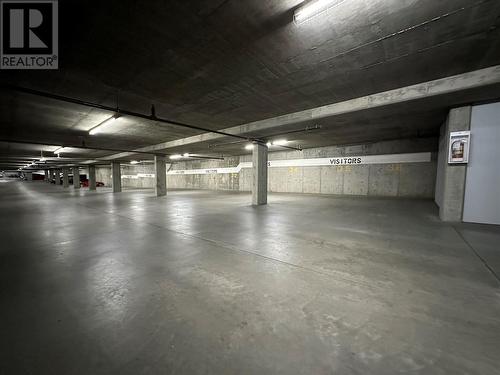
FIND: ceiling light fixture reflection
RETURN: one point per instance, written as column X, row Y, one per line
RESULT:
column 280, row 142
column 99, row 127
column 175, row 157
column 186, row 155
column 249, row 147
column 134, row 162
column 313, row 9
column 58, row 150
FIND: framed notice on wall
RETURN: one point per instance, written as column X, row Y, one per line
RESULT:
column 459, row 147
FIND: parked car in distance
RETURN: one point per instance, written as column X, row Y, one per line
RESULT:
column 85, row 183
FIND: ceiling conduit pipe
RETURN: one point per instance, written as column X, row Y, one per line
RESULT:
column 120, row 111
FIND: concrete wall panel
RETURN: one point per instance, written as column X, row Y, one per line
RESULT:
column 332, row 180
column 384, row 180
column 295, row 177
column 417, row 180
column 278, row 178
column 311, row 180
column 356, row 179
column 412, row 180
column 245, row 180
column 451, row 182
column 103, row 174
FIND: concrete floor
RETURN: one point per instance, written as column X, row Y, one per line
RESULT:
column 203, row 283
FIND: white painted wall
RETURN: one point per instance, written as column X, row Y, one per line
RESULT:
column 482, row 187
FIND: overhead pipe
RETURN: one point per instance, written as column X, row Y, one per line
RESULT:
column 63, row 160
column 260, row 142
column 205, row 157
column 290, row 147
column 117, row 110
column 65, row 145
column 304, row 130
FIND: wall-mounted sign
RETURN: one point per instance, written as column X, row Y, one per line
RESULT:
column 423, row 157
column 459, row 147
column 139, row 175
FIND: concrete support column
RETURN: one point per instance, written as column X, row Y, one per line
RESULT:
column 65, row 172
column 47, row 178
column 116, row 176
column 161, row 176
column 453, row 175
column 57, row 177
column 259, row 185
column 92, row 182
column 76, row 177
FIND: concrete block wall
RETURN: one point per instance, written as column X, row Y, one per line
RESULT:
column 208, row 181
column 141, row 182
column 394, row 180
column 103, row 174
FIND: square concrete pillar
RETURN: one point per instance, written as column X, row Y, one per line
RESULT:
column 92, row 181
column 47, row 176
column 116, row 176
column 453, row 175
column 161, row 176
column 65, row 172
column 57, row 177
column 259, row 185
column 76, row 177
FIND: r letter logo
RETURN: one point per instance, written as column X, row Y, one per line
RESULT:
column 29, row 34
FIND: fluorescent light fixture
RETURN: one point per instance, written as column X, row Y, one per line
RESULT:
column 249, row 147
column 99, row 127
column 175, row 157
column 58, row 150
column 280, row 142
column 186, row 155
column 313, row 9
column 134, row 162
column 269, row 144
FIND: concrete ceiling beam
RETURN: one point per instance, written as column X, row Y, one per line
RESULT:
column 438, row 87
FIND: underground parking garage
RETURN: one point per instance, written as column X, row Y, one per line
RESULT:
column 250, row 187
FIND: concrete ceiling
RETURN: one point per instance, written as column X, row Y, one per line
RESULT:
column 221, row 63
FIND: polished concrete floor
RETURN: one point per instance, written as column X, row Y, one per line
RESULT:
column 202, row 283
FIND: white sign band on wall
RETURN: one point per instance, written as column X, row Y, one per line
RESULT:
column 423, row 157
column 139, row 175
column 212, row 170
